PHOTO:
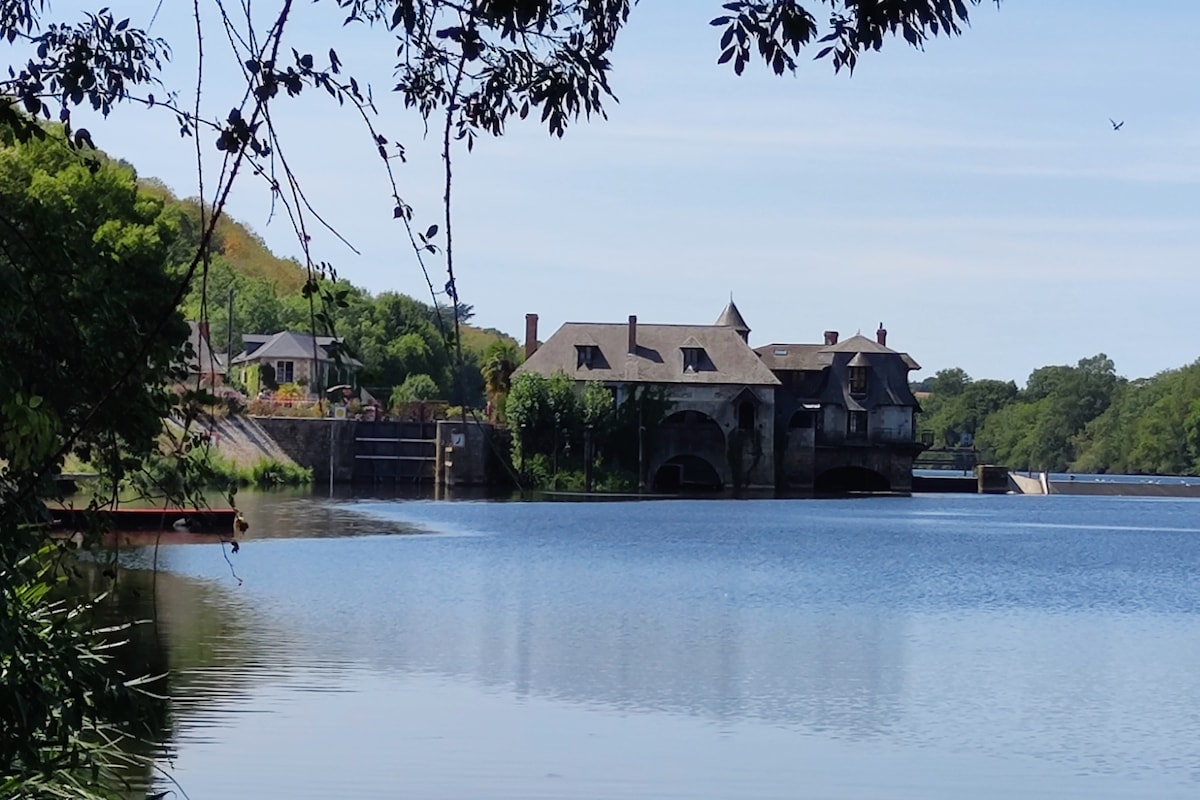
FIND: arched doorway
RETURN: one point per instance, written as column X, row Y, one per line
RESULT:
column 686, row 474
column 841, row 480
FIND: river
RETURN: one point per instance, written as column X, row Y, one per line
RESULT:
column 928, row 647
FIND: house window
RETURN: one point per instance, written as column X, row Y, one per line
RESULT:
column 585, row 356
column 746, row 416
column 856, row 424
column 858, row 380
column 285, row 372
column 692, row 358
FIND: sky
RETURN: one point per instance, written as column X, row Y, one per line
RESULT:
column 974, row 197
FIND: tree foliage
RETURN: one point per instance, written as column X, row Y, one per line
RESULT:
column 91, row 342
column 90, row 326
column 557, row 423
column 415, row 389
column 1083, row 418
column 957, row 405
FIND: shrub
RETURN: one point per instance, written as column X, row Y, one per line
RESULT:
column 415, row 389
column 289, row 391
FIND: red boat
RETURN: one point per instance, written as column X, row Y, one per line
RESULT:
column 190, row 520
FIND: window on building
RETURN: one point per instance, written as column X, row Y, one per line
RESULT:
column 585, row 356
column 858, row 380
column 285, row 372
column 746, row 416
column 693, row 358
column 856, row 423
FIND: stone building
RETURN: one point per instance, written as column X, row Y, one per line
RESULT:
column 720, row 431
column 797, row 418
column 845, row 414
column 311, row 362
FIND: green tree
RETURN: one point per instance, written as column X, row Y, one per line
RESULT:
column 500, row 360
column 947, row 382
column 597, row 406
column 958, row 417
column 91, row 342
column 527, row 409
column 1046, row 427
column 415, row 389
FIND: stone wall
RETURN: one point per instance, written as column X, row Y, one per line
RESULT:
column 463, row 453
column 308, row 441
column 752, row 451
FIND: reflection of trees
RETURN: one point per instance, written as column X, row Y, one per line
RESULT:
column 135, row 653
column 287, row 513
column 191, row 633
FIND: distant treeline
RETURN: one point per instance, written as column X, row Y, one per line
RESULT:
column 397, row 338
column 1083, row 418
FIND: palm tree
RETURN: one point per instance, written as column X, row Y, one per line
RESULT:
column 500, row 359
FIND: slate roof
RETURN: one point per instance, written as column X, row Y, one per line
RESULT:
column 659, row 358
column 794, row 356
column 289, row 345
column 732, row 318
column 819, row 356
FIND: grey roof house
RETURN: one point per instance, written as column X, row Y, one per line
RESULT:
column 722, row 394
column 299, row 358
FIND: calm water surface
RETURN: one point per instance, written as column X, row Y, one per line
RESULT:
column 932, row 647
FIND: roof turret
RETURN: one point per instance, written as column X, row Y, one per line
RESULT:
column 732, row 318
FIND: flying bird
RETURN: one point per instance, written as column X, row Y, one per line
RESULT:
column 1116, row 125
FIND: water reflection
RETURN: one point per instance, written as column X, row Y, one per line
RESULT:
column 959, row 628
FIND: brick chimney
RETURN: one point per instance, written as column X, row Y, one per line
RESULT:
column 632, row 335
column 831, row 337
column 881, row 335
column 531, row 342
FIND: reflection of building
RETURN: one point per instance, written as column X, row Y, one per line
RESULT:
column 297, row 358
column 836, row 416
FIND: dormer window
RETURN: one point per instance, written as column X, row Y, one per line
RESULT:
column 860, row 373
column 585, row 356
column 694, row 357
column 858, row 379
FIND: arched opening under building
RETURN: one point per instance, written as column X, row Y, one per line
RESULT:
column 686, row 473
column 843, row 480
